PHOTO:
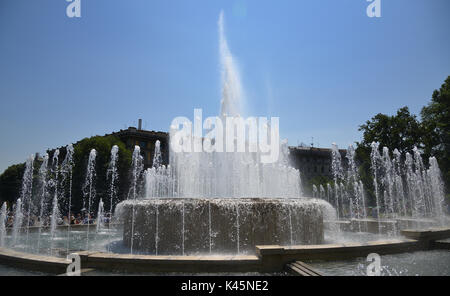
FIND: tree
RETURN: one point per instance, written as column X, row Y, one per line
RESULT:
column 10, row 183
column 402, row 131
column 436, row 124
column 11, row 179
column 103, row 147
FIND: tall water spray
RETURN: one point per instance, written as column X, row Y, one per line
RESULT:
column 231, row 103
column 357, row 202
column 54, row 221
column 338, row 174
column 89, row 190
column 375, row 159
column 100, row 216
column 18, row 220
column 26, row 193
column 137, row 166
column 437, row 189
column 234, row 182
column 398, row 181
column 55, row 176
column 113, row 176
column 422, row 197
column 67, row 171
column 218, row 174
column 43, row 171
column 3, row 217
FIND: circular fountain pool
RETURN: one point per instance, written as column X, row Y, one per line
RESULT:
column 184, row 226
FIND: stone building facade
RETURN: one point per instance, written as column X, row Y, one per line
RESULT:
column 314, row 162
column 146, row 141
column 311, row 161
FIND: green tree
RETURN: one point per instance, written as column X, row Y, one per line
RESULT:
column 436, row 124
column 11, row 179
column 402, row 131
column 10, row 183
column 103, row 147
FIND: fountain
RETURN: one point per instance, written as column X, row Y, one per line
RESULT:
column 89, row 190
column 18, row 220
column 67, row 171
column 222, row 203
column 43, row 195
column 54, row 221
column 100, row 217
column 26, row 194
column 3, row 213
column 113, row 176
column 210, row 202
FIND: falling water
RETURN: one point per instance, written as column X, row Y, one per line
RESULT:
column 89, row 189
column 219, row 175
column 3, row 217
column 437, row 189
column 375, row 159
column 362, row 198
column 314, row 191
column 43, row 170
column 399, row 183
column 18, row 220
column 100, row 216
column 358, row 202
column 322, row 192
column 66, row 170
column 27, row 189
column 54, row 221
column 329, row 192
column 388, row 183
column 231, row 103
column 137, row 166
column 113, row 175
column 336, row 167
column 420, row 185
column 55, row 206
column 55, row 180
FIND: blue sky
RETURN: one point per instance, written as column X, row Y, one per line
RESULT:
column 322, row 66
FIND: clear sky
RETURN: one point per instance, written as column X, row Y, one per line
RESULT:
column 322, row 66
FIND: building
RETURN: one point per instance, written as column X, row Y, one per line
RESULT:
column 313, row 162
column 146, row 140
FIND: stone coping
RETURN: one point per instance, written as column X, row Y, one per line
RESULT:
column 269, row 258
column 441, row 244
column 157, row 263
column 274, row 256
column 433, row 233
column 47, row 264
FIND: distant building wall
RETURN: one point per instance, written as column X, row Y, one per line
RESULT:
column 146, row 141
column 313, row 162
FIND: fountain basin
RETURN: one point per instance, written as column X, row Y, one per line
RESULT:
column 187, row 226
